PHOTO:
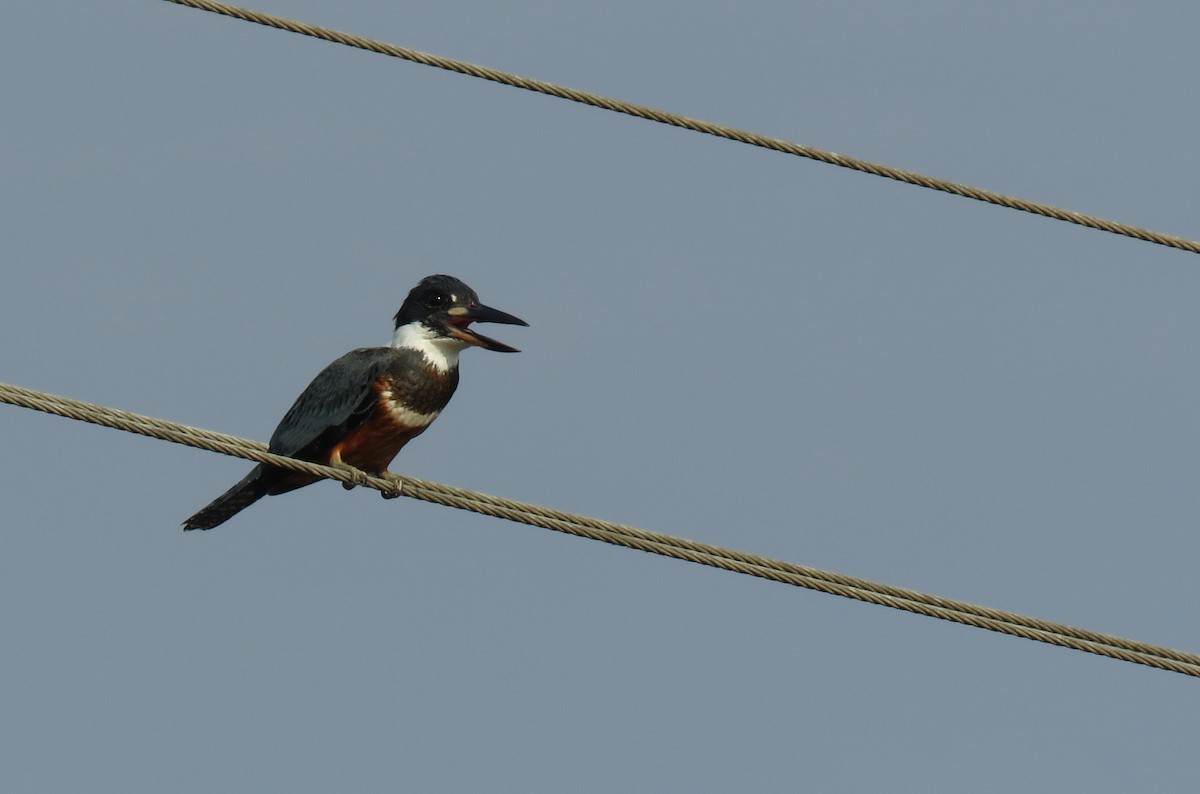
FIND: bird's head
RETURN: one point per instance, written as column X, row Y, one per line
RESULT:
column 443, row 307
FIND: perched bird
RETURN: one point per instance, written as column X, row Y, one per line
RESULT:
column 364, row 407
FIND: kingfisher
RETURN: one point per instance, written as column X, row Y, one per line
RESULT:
column 362, row 409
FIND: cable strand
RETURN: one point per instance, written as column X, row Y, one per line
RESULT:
column 631, row 537
column 696, row 125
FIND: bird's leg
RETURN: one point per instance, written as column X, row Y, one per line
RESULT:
column 397, row 485
column 360, row 476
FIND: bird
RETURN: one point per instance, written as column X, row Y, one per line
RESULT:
column 363, row 408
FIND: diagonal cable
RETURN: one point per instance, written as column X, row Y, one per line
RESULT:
column 696, row 125
column 618, row 534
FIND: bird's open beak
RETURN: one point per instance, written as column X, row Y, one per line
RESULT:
column 460, row 318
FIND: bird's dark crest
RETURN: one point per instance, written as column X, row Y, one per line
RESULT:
column 433, row 293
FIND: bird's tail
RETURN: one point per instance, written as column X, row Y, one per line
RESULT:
column 249, row 490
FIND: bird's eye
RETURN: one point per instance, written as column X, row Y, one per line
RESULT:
column 435, row 300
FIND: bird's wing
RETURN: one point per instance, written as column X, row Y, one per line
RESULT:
column 339, row 399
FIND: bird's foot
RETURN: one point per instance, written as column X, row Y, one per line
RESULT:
column 358, row 476
column 397, row 485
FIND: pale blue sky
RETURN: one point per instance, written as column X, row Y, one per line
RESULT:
column 727, row 344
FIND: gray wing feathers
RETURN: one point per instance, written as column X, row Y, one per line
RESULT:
column 338, row 398
column 340, row 390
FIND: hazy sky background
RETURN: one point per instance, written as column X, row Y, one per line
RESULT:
column 728, row 344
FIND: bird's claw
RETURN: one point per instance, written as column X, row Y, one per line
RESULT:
column 357, row 476
column 397, row 485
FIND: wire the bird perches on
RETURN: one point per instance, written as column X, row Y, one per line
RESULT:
column 618, row 534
